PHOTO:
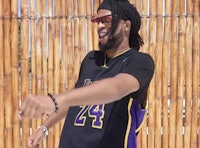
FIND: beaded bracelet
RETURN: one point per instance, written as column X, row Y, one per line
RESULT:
column 54, row 101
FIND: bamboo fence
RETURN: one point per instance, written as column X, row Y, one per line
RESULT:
column 44, row 42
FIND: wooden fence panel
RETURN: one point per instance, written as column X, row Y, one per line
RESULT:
column 196, row 76
column 152, row 93
column 173, row 74
column 24, row 66
column 142, row 138
column 50, row 45
column 2, row 111
column 7, row 72
column 15, row 73
column 44, row 42
column 165, row 69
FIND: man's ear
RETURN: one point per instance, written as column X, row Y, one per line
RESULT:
column 127, row 25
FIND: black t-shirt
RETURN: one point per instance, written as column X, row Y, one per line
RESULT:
column 109, row 125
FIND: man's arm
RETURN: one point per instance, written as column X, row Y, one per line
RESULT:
column 100, row 92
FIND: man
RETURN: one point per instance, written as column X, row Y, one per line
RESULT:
column 106, row 107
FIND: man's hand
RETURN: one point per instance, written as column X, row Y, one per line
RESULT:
column 35, row 139
column 36, row 107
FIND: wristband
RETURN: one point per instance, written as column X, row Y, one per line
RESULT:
column 54, row 101
column 45, row 130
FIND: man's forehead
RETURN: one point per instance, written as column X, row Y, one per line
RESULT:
column 103, row 12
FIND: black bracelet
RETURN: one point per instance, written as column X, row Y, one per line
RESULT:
column 54, row 101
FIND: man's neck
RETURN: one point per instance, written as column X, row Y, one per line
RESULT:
column 115, row 52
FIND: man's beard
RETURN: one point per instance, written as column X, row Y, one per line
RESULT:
column 112, row 42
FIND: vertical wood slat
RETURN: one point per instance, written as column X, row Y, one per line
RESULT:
column 180, row 76
column 63, row 73
column 2, row 117
column 82, row 30
column 15, row 74
column 44, row 46
column 50, row 46
column 152, row 95
column 89, row 25
column 44, row 56
column 38, row 43
column 188, row 74
column 24, row 63
column 137, row 4
column 173, row 74
column 70, row 53
column 142, row 137
column 33, row 55
column 56, row 61
column 63, row 68
column 7, row 69
column 50, row 63
column 38, row 52
column 165, row 73
column 77, row 52
column 56, row 45
column 94, row 31
column 195, row 74
column 158, row 72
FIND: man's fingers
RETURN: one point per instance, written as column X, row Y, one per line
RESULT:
column 34, row 107
column 20, row 115
column 21, row 112
column 28, row 108
column 30, row 143
column 33, row 144
column 31, row 113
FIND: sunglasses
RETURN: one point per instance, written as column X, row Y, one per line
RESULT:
column 106, row 20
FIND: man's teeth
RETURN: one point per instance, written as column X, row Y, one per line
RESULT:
column 101, row 35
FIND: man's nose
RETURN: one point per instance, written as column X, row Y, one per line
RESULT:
column 100, row 25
